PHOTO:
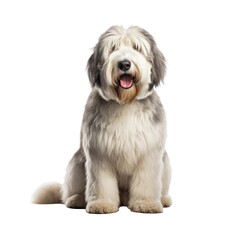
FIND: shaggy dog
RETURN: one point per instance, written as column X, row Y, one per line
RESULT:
column 122, row 158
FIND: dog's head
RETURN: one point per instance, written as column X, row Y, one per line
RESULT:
column 126, row 64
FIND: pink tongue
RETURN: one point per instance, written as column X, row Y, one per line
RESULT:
column 126, row 81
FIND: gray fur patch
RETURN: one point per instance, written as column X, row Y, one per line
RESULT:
column 93, row 71
column 158, row 61
column 154, row 104
column 92, row 113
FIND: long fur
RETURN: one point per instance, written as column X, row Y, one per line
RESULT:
column 48, row 193
column 122, row 158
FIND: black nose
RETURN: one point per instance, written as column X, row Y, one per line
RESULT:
column 124, row 65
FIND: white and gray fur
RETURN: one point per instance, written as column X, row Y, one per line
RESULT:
column 122, row 158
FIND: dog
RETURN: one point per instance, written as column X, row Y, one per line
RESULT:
column 122, row 159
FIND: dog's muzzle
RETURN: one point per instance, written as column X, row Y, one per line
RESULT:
column 125, row 80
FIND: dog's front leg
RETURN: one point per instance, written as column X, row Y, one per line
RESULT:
column 102, row 194
column 146, row 185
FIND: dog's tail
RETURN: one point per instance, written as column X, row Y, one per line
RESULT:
column 48, row 193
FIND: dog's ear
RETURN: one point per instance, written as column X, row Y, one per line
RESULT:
column 157, row 59
column 93, row 69
column 158, row 66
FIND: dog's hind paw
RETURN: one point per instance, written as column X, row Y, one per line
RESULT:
column 166, row 201
column 76, row 201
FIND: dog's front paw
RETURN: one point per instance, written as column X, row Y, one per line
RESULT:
column 146, row 206
column 101, row 206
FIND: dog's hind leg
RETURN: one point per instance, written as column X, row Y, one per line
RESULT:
column 166, row 178
column 75, row 180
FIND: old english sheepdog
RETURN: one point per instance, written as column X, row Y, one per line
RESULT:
column 122, row 159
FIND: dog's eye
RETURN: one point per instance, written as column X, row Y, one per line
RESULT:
column 113, row 48
column 136, row 47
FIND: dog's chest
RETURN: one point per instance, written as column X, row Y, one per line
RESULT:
column 126, row 135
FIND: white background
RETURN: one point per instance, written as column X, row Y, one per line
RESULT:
column 44, row 48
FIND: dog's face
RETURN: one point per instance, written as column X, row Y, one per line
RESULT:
column 126, row 64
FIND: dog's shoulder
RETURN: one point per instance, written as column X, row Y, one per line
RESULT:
column 153, row 105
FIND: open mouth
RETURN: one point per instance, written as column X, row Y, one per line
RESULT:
column 126, row 81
